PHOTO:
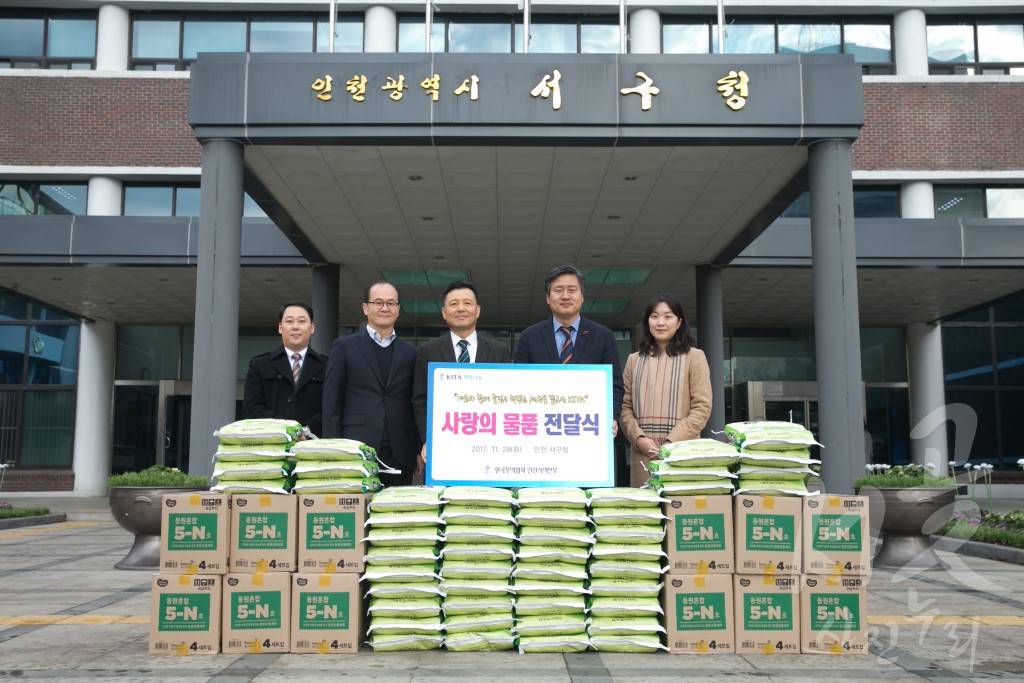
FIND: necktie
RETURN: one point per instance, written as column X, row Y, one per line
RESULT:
column 566, row 353
column 463, row 351
column 296, row 367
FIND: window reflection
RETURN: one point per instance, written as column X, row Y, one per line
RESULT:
column 12, row 354
column 809, row 38
column 28, row 199
column 21, row 35
column 286, row 34
column 348, row 38
column 480, row 37
column 599, row 38
column 213, row 34
column 549, row 37
column 686, row 39
column 868, row 42
column 1001, row 42
column 950, row 43
column 71, row 35
column 52, row 354
column 148, row 201
column 156, row 37
column 751, row 39
column 1005, row 202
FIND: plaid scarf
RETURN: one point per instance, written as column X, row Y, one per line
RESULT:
column 656, row 394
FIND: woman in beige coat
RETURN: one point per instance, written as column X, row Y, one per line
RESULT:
column 667, row 386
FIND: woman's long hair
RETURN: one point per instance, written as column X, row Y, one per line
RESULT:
column 677, row 345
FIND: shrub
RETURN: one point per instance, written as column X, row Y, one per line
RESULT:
column 156, row 476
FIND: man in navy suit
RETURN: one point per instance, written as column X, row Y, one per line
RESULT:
column 567, row 337
column 288, row 382
column 461, row 344
column 368, row 387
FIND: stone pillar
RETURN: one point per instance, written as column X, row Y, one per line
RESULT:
column 112, row 48
column 928, row 442
column 380, row 29
column 836, row 323
column 217, row 282
column 93, row 446
column 104, row 197
column 917, row 199
column 325, row 307
column 711, row 341
column 645, row 31
column 910, row 43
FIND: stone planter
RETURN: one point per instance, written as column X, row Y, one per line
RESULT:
column 907, row 517
column 137, row 509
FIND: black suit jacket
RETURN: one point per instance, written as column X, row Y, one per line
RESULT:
column 441, row 350
column 360, row 404
column 595, row 345
column 270, row 391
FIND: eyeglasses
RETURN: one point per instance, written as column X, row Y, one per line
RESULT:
column 381, row 305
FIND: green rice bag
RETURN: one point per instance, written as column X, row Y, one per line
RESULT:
column 387, row 626
column 423, row 535
column 477, row 604
column 552, row 497
column 697, row 488
column 470, row 533
column 404, row 590
column 468, row 623
column 536, row 515
column 626, row 569
column 243, row 452
column 698, row 453
column 258, row 431
column 548, row 535
column 549, row 571
column 335, row 469
column 490, row 587
column 760, row 487
column 627, row 551
column 477, row 514
column 561, row 643
column 498, row 550
column 628, row 515
column 279, row 485
column 250, row 470
column 778, row 458
column 480, row 641
column 621, row 497
column 401, row 554
column 775, row 473
column 623, row 606
column 478, row 495
column 476, row 569
column 338, row 485
column 629, row 533
column 550, row 624
column 403, row 643
column 404, row 520
column 668, row 471
column 400, row 573
column 625, row 626
column 406, row 499
column 625, row 588
column 553, row 553
column 638, row 643
column 415, row 609
column 737, row 431
column 556, row 588
column 549, row 604
column 333, row 449
column 770, row 436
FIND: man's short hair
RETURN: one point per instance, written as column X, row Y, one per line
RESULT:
column 460, row 284
column 366, row 292
column 300, row 304
column 565, row 269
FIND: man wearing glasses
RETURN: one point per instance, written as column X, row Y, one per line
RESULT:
column 368, row 387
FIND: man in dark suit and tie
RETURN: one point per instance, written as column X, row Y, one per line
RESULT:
column 368, row 387
column 461, row 344
column 567, row 337
column 288, row 382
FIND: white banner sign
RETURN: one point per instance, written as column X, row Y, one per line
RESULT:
column 519, row 425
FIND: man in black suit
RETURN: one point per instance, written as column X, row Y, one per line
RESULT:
column 461, row 344
column 368, row 387
column 567, row 337
column 288, row 382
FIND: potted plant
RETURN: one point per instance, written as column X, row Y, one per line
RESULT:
column 136, row 500
column 907, row 502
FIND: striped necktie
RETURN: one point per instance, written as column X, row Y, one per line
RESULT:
column 566, row 353
column 463, row 351
column 296, row 367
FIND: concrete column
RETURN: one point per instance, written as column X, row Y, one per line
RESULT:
column 325, row 306
column 917, row 199
column 93, row 447
column 217, row 281
column 645, row 32
column 910, row 43
column 711, row 341
column 380, row 29
column 836, row 324
column 104, row 197
column 112, row 47
column 928, row 442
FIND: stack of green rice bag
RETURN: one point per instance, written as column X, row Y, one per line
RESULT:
column 334, row 466
column 550, row 576
column 774, row 457
column 252, row 456
column 477, row 561
column 404, row 593
column 625, row 570
column 692, row 468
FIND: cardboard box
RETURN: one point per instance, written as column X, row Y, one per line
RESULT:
column 194, row 533
column 768, row 534
column 834, row 614
column 767, row 614
column 263, row 533
column 699, row 535
column 185, row 614
column 331, row 532
column 257, row 613
column 837, row 536
column 699, row 613
column 327, row 613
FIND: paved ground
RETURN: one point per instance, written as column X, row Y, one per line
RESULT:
column 66, row 614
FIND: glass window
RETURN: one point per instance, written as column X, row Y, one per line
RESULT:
column 281, row 34
column 749, row 39
column 959, row 202
column 44, row 313
column 213, row 33
column 686, row 39
column 599, row 38
column 1011, row 406
column 52, row 354
column 967, row 352
column 412, row 34
column 349, row 34
column 820, row 39
column 548, row 37
column 186, row 201
column 773, row 355
column 12, row 308
column 1009, row 310
column 800, row 208
column 156, row 37
column 252, row 342
column 147, row 352
column 985, row 443
column 1009, row 355
column 883, row 354
column 1004, row 202
column 17, row 199
column 69, row 199
column 12, row 354
column 71, row 35
column 479, row 36
column 46, row 433
column 134, row 432
column 1001, row 42
column 877, row 202
column 146, row 200
column 9, row 426
column 21, row 35
column 250, row 209
column 950, row 43
column 868, row 42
